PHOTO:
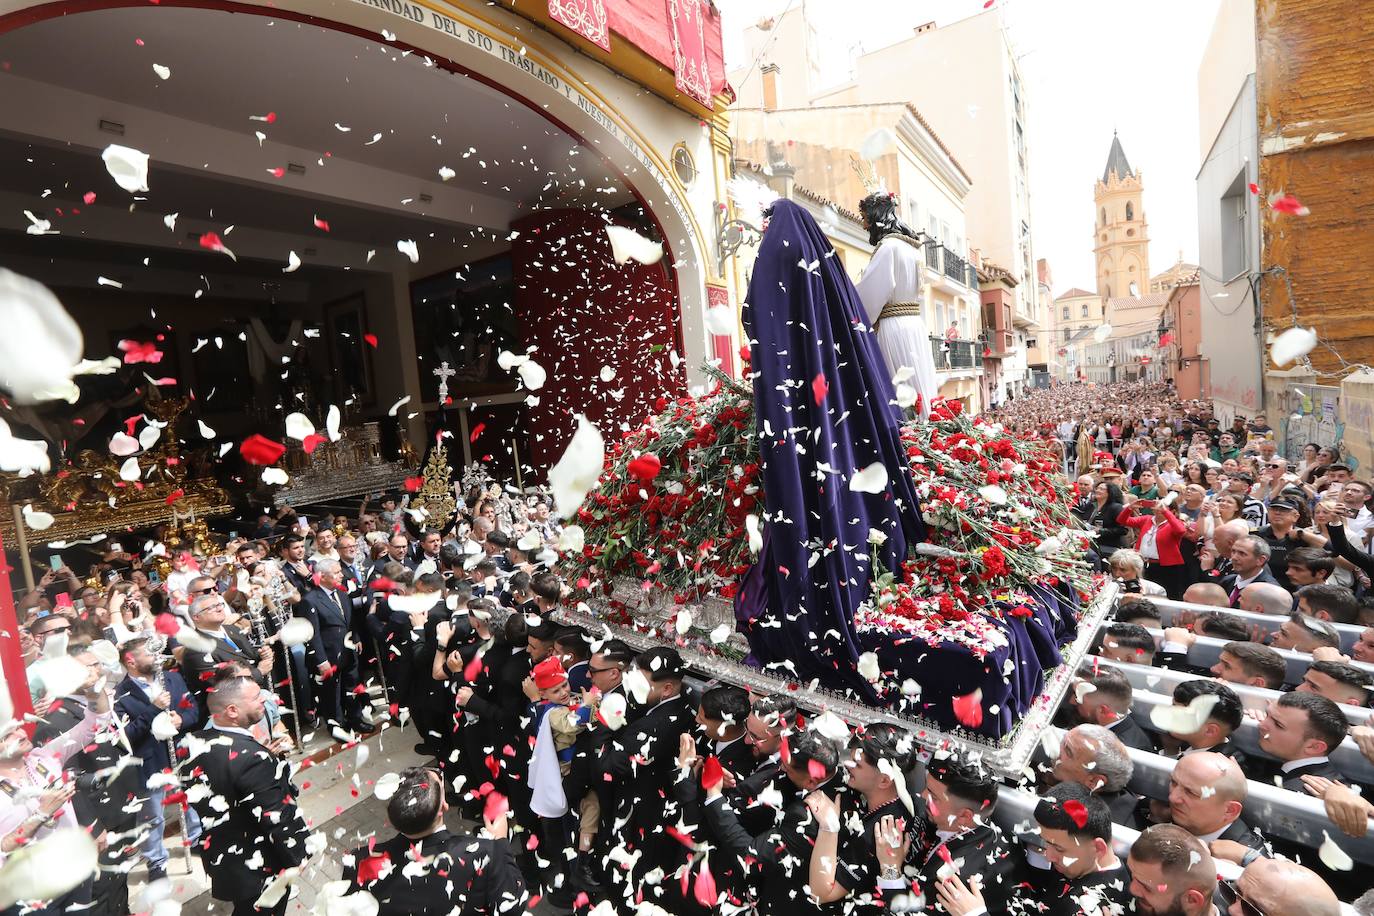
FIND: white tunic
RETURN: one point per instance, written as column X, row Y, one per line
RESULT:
column 894, row 275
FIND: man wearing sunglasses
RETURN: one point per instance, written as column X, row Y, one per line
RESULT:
column 1270, row 887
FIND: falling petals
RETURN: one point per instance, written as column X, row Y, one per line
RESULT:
column 127, row 166
column 48, row 868
column 275, row 477
column 41, row 343
column 968, row 709
column 298, row 426
column 578, row 469
column 1288, row 204
column 129, row 471
column 36, row 520
column 140, row 351
column 332, row 418
column 122, row 446
column 297, row 631
column 1333, row 856
column 212, row 242
column 408, row 248
column 1292, row 345
column 321, row 224
column 872, row 479
column 720, row 320
column 819, row 388
column 293, row 263
column 162, row 72
column 627, row 245
column 258, row 449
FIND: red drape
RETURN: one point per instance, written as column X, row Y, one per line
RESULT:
column 587, row 314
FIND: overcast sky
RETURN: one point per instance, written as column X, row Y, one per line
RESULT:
column 1149, row 49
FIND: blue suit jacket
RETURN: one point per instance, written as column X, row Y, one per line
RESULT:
column 331, row 625
column 133, row 705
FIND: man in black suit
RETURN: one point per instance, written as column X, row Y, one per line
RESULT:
column 101, row 802
column 261, row 832
column 1213, row 731
column 1102, row 696
column 1076, row 830
column 139, row 700
column 775, row 861
column 1249, row 564
column 230, row 645
column 721, row 716
column 1094, row 756
column 964, row 842
column 424, row 868
column 642, row 761
column 1301, row 730
column 329, row 653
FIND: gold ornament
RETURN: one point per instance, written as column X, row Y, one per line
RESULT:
column 436, row 493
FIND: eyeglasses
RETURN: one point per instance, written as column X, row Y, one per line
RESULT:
column 53, row 630
column 208, row 590
column 1230, row 892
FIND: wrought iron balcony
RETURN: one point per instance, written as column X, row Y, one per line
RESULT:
column 951, row 354
column 933, row 255
column 956, row 268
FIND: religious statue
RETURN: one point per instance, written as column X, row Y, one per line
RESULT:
column 891, row 294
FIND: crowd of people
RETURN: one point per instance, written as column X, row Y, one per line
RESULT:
column 601, row 775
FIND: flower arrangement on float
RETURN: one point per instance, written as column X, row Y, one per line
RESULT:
column 679, row 505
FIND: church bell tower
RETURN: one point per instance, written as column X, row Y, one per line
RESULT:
column 1121, row 238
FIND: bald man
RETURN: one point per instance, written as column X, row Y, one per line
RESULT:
column 1224, row 538
column 1266, row 598
column 1208, row 593
column 1280, row 886
column 1206, row 794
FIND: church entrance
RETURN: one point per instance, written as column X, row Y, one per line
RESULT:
column 334, row 219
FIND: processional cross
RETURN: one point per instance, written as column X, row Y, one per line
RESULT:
column 444, row 373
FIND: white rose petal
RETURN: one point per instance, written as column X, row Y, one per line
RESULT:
column 386, row 785
column 607, row 374
column 720, row 320
column 331, row 423
column 41, row 345
column 36, row 520
column 571, row 539
column 22, row 456
column 1183, row 720
column 1102, row 333
column 127, row 166
column 163, row 727
column 408, row 248
column 612, row 711
column 636, row 685
column 129, row 471
column 49, row 867
column 205, row 431
column 532, row 374
column 868, row 667
column 905, row 395
column 148, row 436
column 275, row 477
column 298, row 426
column 751, row 524
column 162, row 72
column 61, row 676
column 683, row 623
column 579, row 468
column 829, row 725
column 298, row 631
column 872, row 479
column 1333, row 856
column 508, row 360
column 445, row 173
column 626, row 245
column 293, row 263
column 721, row 633
column 1292, row 345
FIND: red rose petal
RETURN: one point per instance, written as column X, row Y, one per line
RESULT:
column 495, row 807
column 311, row 441
column 820, row 388
column 968, row 709
column 1078, row 811
column 371, row 340
column 258, row 449
column 476, row 431
column 712, row 773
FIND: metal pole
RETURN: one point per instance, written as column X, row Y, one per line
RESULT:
column 515, row 451
column 11, row 656
column 22, row 542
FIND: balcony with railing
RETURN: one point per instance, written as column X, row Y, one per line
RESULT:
column 955, row 354
column 944, row 261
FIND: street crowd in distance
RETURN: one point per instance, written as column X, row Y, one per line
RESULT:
column 600, row 777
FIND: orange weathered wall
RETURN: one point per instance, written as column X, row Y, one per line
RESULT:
column 1315, row 69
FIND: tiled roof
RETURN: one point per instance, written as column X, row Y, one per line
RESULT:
column 748, row 166
column 1074, row 293
column 1129, row 303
